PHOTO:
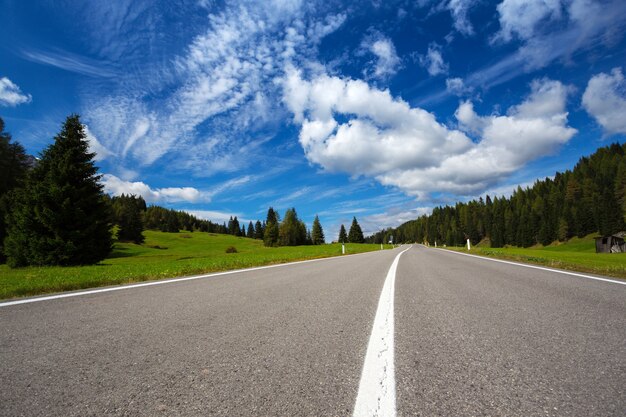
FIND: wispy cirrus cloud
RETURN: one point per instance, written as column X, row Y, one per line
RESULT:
column 572, row 26
column 70, row 62
column 227, row 73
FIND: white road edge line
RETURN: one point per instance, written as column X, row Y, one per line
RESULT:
column 377, row 387
column 168, row 281
column 558, row 271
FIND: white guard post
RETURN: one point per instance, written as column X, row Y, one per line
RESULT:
column 468, row 244
column 343, row 249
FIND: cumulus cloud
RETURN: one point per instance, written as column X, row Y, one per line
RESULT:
column 605, row 100
column 347, row 126
column 457, row 87
column 11, row 95
column 521, row 18
column 387, row 61
column 116, row 186
column 433, row 61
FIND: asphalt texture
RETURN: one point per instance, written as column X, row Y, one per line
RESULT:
column 472, row 338
column 482, row 338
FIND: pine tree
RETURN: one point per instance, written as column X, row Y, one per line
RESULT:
column 233, row 226
column 270, row 236
column 13, row 169
column 355, row 235
column 127, row 214
column 292, row 231
column 258, row 230
column 242, row 232
column 343, row 237
column 250, row 233
column 170, row 222
column 317, row 233
column 61, row 216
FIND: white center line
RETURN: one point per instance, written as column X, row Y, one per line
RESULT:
column 377, row 388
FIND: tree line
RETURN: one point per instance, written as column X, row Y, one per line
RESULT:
column 53, row 210
column 591, row 198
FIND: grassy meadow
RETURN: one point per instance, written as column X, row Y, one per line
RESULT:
column 577, row 254
column 163, row 255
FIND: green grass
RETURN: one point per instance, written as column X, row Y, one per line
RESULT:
column 578, row 254
column 163, row 255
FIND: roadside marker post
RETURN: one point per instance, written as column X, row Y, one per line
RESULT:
column 468, row 244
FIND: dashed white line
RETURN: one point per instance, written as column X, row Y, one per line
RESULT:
column 377, row 387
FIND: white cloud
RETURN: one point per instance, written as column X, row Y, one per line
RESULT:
column 387, row 61
column 391, row 218
column 347, row 126
column 70, row 62
column 433, row 61
column 227, row 73
column 605, row 100
column 521, row 18
column 553, row 29
column 550, row 32
column 218, row 216
column 116, row 186
column 457, row 87
column 11, row 95
column 459, row 10
column 96, row 147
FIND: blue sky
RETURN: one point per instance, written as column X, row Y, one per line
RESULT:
column 379, row 110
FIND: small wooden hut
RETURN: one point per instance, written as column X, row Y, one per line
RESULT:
column 611, row 244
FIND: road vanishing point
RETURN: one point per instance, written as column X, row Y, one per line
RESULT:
column 412, row 331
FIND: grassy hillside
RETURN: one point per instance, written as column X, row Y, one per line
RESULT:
column 577, row 254
column 163, row 255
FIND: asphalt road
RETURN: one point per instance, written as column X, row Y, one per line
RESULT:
column 472, row 337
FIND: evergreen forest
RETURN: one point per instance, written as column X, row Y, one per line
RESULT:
column 590, row 198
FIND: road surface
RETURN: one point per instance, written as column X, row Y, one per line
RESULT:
column 470, row 337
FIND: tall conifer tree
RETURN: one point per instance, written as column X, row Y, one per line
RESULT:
column 355, row 235
column 270, row 236
column 343, row 237
column 61, row 216
column 317, row 233
column 13, row 169
column 258, row 230
column 127, row 214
